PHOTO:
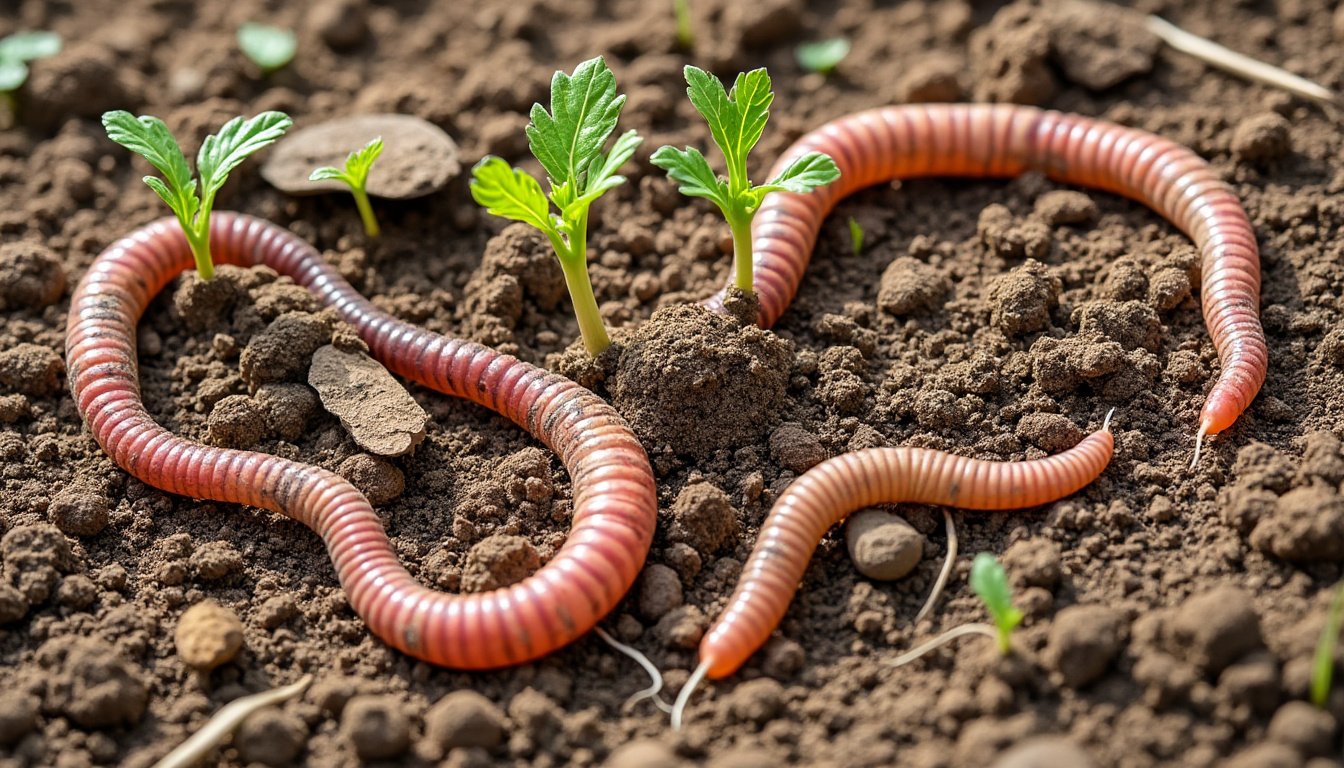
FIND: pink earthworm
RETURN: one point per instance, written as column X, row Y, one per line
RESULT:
column 615, row 505
column 997, row 141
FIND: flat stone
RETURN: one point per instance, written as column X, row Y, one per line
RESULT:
column 418, row 157
column 373, row 407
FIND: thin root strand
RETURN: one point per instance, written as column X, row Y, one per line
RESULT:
column 946, row 573
column 679, row 708
column 655, row 687
column 225, row 721
column 941, row 640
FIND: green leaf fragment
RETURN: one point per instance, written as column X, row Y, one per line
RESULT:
column 692, row 174
column 510, row 193
column 804, row 174
column 736, row 119
column 13, row 74
column 990, row 582
column 270, row 48
column 238, row 139
column 1323, row 662
column 27, row 46
column 855, row 235
column 822, row 57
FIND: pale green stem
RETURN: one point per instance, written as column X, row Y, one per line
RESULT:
column 200, row 249
column 574, row 263
column 365, row 211
column 742, row 264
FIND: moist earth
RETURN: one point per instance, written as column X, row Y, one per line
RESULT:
column 1171, row 612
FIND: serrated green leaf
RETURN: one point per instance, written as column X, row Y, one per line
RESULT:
column 150, row 138
column 13, row 74
column 804, row 174
column 584, row 111
column 990, row 582
column 692, row 174
column 509, row 193
column 224, row 151
column 360, row 162
column 270, row 48
column 601, row 175
column 736, row 118
column 26, row 46
column 327, row 173
column 822, row 57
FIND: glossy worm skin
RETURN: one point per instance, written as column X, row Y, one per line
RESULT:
column 995, row 140
column 615, row 506
column 830, row 491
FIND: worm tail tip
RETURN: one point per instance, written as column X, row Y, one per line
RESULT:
column 685, row 694
column 1199, row 443
column 1106, row 425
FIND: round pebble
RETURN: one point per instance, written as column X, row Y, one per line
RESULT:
column 1083, row 641
column 464, row 719
column 237, row 422
column 882, row 545
column 376, row 726
column 78, row 512
column 378, row 479
column 270, row 737
column 208, row 635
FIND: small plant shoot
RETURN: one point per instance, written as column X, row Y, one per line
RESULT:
column 855, row 236
column 568, row 141
column 685, row 33
column 355, row 175
column 990, row 582
column 219, row 154
column 736, row 121
column 1323, row 663
column 17, row 50
column 270, row 48
column 822, row 57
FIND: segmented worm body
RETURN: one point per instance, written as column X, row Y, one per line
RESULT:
column 830, row 491
column 615, row 508
column 993, row 140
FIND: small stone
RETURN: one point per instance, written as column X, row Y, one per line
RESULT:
column 287, row 408
column 31, row 369
column 659, row 591
column 1262, row 138
column 911, row 287
column 756, row 701
column 1045, row 752
column 378, row 479
column 78, row 512
column 1303, row 727
column 276, row 610
column 236, row 421
column 271, row 737
column 1066, row 206
column 703, row 517
column 883, row 545
column 498, row 561
column 373, row 406
column 1215, row 628
column 208, row 635
column 681, row 627
column 464, row 719
column 31, row 276
column 377, row 726
column 342, row 24
column 1084, row 639
column 215, row 560
column 643, row 753
column 796, row 449
column 18, row 715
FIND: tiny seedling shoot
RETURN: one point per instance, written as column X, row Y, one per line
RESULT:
column 855, row 236
column 17, row 50
column 822, row 57
column 270, row 48
column 685, row 34
column 990, row 582
column 148, row 137
column 568, row 142
column 1323, row 663
column 355, row 175
column 736, row 121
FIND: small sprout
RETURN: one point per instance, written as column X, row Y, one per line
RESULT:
column 270, row 48
column 855, row 236
column 1323, row 664
column 148, row 137
column 990, row 582
column 736, row 121
column 356, row 175
column 18, row 49
column 822, row 57
column 685, row 34
column 568, row 141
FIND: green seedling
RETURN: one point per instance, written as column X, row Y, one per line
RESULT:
column 990, row 582
column 1323, row 664
column 148, row 137
column 355, row 174
column 568, row 141
column 736, row 121
column 685, row 34
column 17, row 50
column 270, row 48
column 822, row 57
column 855, row 236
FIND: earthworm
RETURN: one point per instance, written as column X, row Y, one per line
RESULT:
column 826, row 494
column 1000, row 140
column 615, row 506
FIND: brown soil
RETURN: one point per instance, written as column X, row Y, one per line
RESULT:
column 1171, row 614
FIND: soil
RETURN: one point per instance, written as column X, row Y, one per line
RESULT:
column 1171, row 613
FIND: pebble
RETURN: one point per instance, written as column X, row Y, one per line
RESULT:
column 236, row 421
column 464, row 719
column 1045, row 752
column 883, row 545
column 1213, row 629
column 642, row 753
column 271, row 737
column 1084, row 639
column 703, row 517
column 796, row 449
column 373, row 406
column 377, row 726
column 378, row 479
column 1303, row 727
column 1263, row 138
column 659, row 591
column 757, row 701
column 78, row 512
column 208, row 635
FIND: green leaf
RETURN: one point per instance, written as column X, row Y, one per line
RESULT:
column 327, row 173
column 13, row 74
column 584, row 110
column 855, row 235
column 602, row 172
column 804, row 174
column 224, row 151
column 990, row 582
column 510, row 193
column 270, row 48
column 822, row 57
column 1323, row 662
column 150, row 138
column 737, row 118
column 360, row 162
column 26, row 46
column 691, row 171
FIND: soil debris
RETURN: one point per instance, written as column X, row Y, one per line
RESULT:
column 208, row 635
column 373, row 406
